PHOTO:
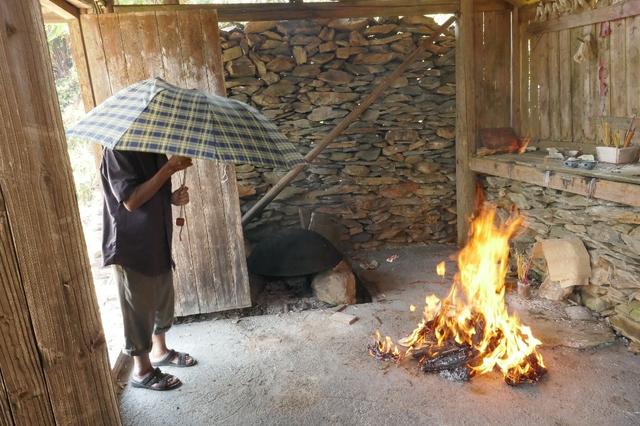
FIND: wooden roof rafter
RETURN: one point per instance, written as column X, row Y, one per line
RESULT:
column 316, row 10
column 55, row 11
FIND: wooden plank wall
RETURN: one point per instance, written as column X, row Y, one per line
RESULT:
column 562, row 98
column 492, row 47
column 53, row 356
column 183, row 48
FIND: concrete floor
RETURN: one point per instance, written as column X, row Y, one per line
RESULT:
column 303, row 368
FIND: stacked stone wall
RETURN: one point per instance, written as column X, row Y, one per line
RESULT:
column 610, row 232
column 390, row 178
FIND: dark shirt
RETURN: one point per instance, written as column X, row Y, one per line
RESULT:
column 141, row 239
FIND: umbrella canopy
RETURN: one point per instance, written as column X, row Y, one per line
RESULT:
column 155, row 116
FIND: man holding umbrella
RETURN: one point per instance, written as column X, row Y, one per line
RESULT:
column 139, row 126
column 137, row 240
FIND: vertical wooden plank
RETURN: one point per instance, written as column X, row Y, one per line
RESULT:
column 480, row 61
column 141, row 43
column 23, row 383
column 129, row 32
column 113, row 51
column 193, row 75
column 213, row 292
column 150, row 42
column 517, row 71
column 193, row 63
column 493, row 64
column 212, row 52
column 577, row 89
column 618, row 72
column 633, row 65
column 84, row 78
column 526, row 78
column 534, row 116
column 235, row 246
column 554, row 86
column 542, row 68
column 187, row 262
column 96, row 60
column 590, row 97
column 214, row 285
column 37, row 184
column 5, row 409
column 234, row 289
column 80, row 62
column 465, row 118
column 564, row 52
column 169, row 38
column 602, row 89
column 502, row 77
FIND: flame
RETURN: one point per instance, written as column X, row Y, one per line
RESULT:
column 441, row 269
column 474, row 314
column 412, row 308
column 384, row 349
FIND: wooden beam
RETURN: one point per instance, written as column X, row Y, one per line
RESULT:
column 46, row 243
column 619, row 192
column 465, row 118
column 292, row 11
column 82, row 4
column 589, row 17
column 344, row 123
column 491, row 6
column 61, row 8
column 48, row 17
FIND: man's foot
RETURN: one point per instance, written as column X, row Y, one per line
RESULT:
column 155, row 380
column 173, row 358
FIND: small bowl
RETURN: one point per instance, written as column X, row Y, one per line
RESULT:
column 588, row 165
column 571, row 162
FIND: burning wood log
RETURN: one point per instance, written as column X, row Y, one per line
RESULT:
column 449, row 359
column 383, row 350
column 470, row 331
column 529, row 371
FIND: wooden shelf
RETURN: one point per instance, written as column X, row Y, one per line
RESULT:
column 602, row 182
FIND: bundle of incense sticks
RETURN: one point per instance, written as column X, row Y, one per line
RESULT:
column 631, row 131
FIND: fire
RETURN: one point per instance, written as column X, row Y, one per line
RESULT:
column 384, row 350
column 441, row 269
column 470, row 331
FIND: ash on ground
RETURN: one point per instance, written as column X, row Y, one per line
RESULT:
column 270, row 297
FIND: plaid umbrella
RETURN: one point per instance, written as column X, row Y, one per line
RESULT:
column 155, row 116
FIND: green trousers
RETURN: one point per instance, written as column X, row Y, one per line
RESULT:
column 147, row 307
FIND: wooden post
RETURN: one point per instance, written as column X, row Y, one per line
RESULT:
column 466, row 118
column 343, row 124
column 53, row 358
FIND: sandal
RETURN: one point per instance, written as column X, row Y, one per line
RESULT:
column 156, row 380
column 167, row 361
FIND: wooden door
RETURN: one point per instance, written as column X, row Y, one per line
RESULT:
column 183, row 48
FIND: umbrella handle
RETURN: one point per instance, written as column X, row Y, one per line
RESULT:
column 181, row 219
